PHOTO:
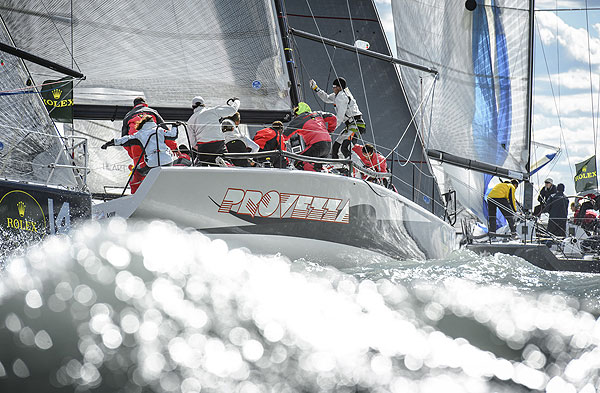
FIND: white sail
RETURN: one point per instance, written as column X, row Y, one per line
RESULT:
column 30, row 146
column 168, row 52
column 480, row 105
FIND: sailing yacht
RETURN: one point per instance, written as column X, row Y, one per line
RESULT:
column 478, row 126
column 259, row 52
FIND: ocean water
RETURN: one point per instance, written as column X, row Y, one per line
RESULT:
column 148, row 307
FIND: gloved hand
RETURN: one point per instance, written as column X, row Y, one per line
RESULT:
column 313, row 85
column 107, row 144
column 178, row 123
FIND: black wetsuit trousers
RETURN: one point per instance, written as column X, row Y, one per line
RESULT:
column 319, row 149
column 557, row 226
column 505, row 208
column 216, row 147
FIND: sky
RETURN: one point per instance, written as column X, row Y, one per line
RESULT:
column 565, row 103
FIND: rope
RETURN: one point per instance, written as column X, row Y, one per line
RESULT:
column 410, row 122
column 361, row 73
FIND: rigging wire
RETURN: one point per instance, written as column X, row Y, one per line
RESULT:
column 412, row 119
column 594, row 125
column 554, row 98
column 73, row 61
column 361, row 74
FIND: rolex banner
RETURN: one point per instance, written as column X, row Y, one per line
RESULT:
column 58, row 98
column 585, row 175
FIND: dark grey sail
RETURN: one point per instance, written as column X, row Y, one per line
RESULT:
column 382, row 101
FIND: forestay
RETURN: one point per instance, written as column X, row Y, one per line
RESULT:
column 167, row 52
column 29, row 142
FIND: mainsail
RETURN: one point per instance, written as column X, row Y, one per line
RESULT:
column 167, row 52
column 31, row 148
column 480, row 105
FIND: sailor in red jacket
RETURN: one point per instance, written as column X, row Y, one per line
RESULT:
column 370, row 158
column 271, row 138
column 132, row 118
column 310, row 131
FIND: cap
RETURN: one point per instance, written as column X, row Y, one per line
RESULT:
column 548, row 180
column 138, row 100
column 341, row 82
column 277, row 125
column 197, row 101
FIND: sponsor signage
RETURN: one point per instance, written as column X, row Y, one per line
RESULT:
column 585, row 175
column 58, row 99
column 28, row 211
column 275, row 204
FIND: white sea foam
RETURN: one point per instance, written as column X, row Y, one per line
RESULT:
column 147, row 306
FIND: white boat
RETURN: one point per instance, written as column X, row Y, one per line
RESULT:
column 317, row 216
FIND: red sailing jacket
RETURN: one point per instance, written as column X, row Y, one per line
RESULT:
column 129, row 122
column 375, row 163
column 267, row 139
column 312, row 127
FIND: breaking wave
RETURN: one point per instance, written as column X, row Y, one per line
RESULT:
column 135, row 307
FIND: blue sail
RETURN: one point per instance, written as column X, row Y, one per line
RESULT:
column 492, row 119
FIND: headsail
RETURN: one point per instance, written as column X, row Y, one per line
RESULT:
column 480, row 105
column 30, row 146
column 167, row 52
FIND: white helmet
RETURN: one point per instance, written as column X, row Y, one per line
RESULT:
column 227, row 125
column 197, row 101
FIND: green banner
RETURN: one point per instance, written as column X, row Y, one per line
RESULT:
column 58, row 98
column 585, row 175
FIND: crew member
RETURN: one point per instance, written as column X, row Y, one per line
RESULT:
column 368, row 156
column 151, row 139
column 502, row 197
column 557, row 207
column 584, row 215
column 204, row 128
column 235, row 142
column 347, row 113
column 132, row 118
column 269, row 139
column 311, row 131
column 548, row 189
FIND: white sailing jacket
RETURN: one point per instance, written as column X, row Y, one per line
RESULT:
column 345, row 104
column 236, row 134
column 203, row 125
column 153, row 140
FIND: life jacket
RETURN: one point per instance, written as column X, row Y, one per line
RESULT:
column 375, row 163
column 129, row 122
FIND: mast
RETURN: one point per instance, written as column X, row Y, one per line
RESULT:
column 530, row 81
column 287, row 50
